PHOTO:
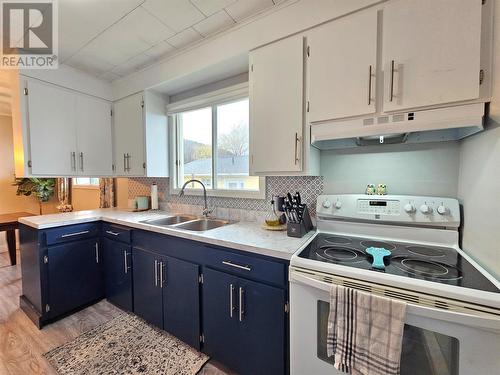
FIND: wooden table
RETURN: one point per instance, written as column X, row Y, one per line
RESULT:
column 9, row 224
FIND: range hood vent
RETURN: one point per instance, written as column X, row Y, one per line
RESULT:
column 432, row 125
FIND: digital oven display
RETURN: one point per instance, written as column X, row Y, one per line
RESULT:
column 378, row 203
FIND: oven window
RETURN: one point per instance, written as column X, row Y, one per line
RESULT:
column 424, row 352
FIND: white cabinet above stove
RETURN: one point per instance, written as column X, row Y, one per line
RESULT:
column 420, row 72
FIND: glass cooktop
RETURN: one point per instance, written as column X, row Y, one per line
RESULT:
column 437, row 264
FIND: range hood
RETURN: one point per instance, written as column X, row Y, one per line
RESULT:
column 431, row 125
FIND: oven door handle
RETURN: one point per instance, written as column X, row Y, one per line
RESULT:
column 481, row 320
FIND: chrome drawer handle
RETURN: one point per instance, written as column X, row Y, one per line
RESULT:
column 228, row 263
column 112, row 233
column 125, row 261
column 242, row 304
column 75, row 234
column 156, row 273
column 231, row 302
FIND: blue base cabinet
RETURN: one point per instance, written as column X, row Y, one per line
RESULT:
column 166, row 294
column 244, row 323
column 74, row 275
column 227, row 303
column 61, row 270
column 181, row 300
column 148, row 296
column 117, row 257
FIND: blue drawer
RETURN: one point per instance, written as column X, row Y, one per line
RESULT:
column 72, row 233
column 116, row 232
column 246, row 266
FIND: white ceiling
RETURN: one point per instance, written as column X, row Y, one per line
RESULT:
column 113, row 38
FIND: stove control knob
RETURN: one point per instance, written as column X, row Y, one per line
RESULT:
column 338, row 205
column 442, row 210
column 327, row 203
column 425, row 209
column 410, row 208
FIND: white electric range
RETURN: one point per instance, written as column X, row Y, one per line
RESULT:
column 453, row 320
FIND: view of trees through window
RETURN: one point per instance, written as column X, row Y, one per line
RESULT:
column 230, row 147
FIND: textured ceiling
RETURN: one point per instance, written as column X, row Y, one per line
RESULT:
column 113, row 38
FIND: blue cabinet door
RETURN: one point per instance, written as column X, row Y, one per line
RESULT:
column 181, row 296
column 261, row 316
column 74, row 275
column 117, row 259
column 147, row 291
column 220, row 317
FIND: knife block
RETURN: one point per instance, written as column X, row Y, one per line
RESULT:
column 301, row 228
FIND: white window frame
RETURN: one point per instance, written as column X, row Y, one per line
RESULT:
column 218, row 97
column 84, row 186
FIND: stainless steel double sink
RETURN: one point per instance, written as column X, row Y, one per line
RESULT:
column 188, row 222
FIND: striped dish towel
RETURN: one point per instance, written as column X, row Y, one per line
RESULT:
column 365, row 332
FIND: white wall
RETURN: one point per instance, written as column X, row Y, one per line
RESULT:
column 427, row 169
column 479, row 181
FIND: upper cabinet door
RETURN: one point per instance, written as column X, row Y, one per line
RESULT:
column 129, row 136
column 52, row 130
column 95, row 155
column 276, row 106
column 431, row 52
column 341, row 66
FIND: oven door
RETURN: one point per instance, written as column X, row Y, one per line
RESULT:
column 435, row 342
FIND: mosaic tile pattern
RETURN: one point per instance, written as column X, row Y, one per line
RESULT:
column 309, row 187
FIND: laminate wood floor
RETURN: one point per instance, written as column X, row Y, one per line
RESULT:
column 22, row 343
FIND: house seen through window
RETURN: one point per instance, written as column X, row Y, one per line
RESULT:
column 213, row 147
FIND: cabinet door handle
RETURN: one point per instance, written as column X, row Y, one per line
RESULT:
column 81, row 161
column 75, row 234
column 241, row 303
column 128, row 162
column 156, row 273
column 297, row 141
column 228, row 263
column 124, row 162
column 391, row 95
column 231, row 302
column 125, row 262
column 112, row 233
column 370, row 85
column 162, row 276
column 97, row 252
column 73, row 161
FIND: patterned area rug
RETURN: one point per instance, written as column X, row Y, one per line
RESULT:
column 126, row 345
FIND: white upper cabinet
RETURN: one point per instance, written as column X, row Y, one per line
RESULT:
column 341, row 67
column 95, row 152
column 61, row 132
column 130, row 153
column 276, row 107
column 141, row 135
column 51, row 118
column 431, row 52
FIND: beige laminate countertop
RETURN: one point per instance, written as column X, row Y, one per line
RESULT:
column 245, row 236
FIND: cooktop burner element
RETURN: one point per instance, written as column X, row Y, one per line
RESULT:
column 340, row 254
column 338, row 240
column 383, row 245
column 425, row 251
column 437, row 264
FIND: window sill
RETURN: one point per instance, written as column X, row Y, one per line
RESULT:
column 86, row 187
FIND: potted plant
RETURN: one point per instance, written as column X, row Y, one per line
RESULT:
column 41, row 188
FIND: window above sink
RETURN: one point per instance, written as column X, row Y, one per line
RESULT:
column 210, row 143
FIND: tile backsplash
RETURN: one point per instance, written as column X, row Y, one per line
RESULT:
column 231, row 208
